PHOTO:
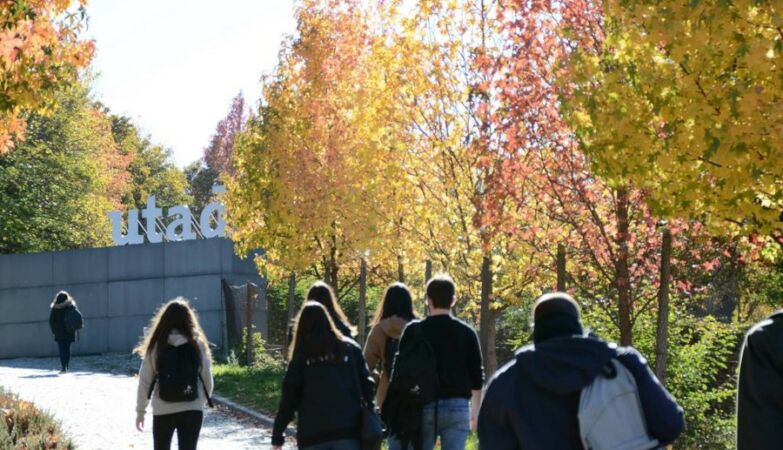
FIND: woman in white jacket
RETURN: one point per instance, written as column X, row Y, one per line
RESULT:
column 176, row 374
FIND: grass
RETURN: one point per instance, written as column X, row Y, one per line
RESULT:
column 23, row 426
column 260, row 387
column 255, row 387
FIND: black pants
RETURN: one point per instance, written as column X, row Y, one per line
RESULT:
column 187, row 424
column 65, row 353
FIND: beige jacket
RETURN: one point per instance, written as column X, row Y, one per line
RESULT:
column 160, row 407
column 374, row 351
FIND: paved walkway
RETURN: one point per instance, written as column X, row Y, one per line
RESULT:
column 96, row 403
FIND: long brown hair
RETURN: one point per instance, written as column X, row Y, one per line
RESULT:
column 324, row 294
column 315, row 334
column 177, row 315
column 397, row 301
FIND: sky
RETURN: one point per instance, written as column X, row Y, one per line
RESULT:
column 173, row 66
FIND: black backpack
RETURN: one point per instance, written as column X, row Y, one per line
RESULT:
column 414, row 383
column 73, row 320
column 179, row 371
column 389, row 352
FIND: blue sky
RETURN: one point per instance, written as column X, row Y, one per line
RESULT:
column 174, row 65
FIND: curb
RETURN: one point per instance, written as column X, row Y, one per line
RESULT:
column 261, row 417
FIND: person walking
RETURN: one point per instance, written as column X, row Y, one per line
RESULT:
column 65, row 320
column 391, row 316
column 325, row 384
column 176, row 374
column 324, row 294
column 439, row 361
column 760, row 387
column 534, row 401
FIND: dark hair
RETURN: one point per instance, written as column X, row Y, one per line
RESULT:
column 556, row 315
column 324, row 294
column 62, row 297
column 397, row 301
column 174, row 315
column 314, row 332
column 441, row 290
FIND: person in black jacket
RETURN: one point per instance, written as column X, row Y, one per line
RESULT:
column 760, row 393
column 64, row 337
column 325, row 379
column 533, row 401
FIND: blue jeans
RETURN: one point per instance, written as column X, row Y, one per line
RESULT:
column 342, row 444
column 453, row 425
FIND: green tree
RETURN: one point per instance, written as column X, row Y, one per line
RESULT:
column 56, row 187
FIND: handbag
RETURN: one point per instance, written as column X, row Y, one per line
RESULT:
column 371, row 426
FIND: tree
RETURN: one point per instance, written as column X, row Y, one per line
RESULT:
column 40, row 53
column 57, row 186
column 694, row 95
column 217, row 156
column 151, row 170
column 313, row 168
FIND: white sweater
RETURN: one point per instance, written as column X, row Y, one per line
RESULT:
column 160, row 407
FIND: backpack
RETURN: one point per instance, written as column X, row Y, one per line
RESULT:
column 414, row 382
column 389, row 352
column 178, row 374
column 73, row 320
column 610, row 412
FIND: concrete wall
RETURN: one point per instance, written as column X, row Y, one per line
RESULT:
column 117, row 290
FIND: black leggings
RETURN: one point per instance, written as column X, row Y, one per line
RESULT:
column 187, row 424
column 65, row 354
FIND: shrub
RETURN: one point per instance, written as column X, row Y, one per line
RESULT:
column 23, row 426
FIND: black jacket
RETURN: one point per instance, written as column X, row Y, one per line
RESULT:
column 760, row 393
column 57, row 321
column 325, row 396
column 532, row 402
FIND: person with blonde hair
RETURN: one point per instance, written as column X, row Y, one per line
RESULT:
column 176, row 374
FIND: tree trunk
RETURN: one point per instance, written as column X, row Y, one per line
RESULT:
column 427, row 276
column 249, row 356
column 487, row 331
column 362, row 301
column 662, row 333
column 561, row 268
column 291, row 297
column 622, row 275
column 400, row 269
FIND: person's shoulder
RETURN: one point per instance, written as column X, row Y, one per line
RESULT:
column 772, row 326
column 503, row 381
column 462, row 325
column 352, row 344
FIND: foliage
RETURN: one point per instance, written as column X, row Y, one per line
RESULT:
column 58, row 185
column 693, row 93
column 200, row 179
column 153, row 172
column 23, row 426
column 217, row 156
column 40, row 53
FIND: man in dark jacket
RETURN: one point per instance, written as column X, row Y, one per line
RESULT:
column 760, row 396
column 532, row 403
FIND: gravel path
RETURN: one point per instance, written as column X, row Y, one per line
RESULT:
column 96, row 403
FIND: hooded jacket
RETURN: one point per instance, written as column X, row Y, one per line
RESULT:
column 148, row 372
column 375, row 351
column 532, row 403
column 760, row 393
column 57, row 321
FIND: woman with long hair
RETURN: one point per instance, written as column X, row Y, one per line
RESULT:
column 324, row 384
column 62, row 306
column 324, row 294
column 176, row 374
column 391, row 316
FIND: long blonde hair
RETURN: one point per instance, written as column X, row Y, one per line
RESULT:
column 177, row 315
